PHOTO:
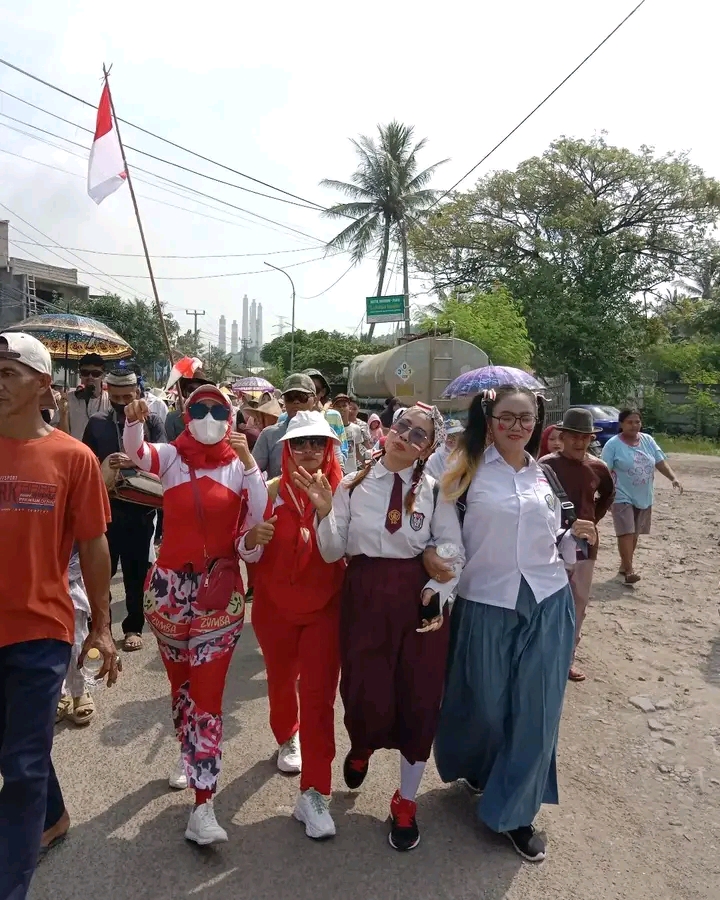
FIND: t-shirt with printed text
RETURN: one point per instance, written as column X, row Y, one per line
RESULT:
column 51, row 495
column 633, row 469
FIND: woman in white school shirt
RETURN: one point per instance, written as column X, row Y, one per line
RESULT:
column 393, row 655
column 513, row 623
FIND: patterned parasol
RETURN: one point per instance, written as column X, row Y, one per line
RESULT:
column 67, row 336
column 487, row 377
column 252, row 383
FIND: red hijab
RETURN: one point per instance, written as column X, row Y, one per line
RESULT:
column 330, row 468
column 194, row 454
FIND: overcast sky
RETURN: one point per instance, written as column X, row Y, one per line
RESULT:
column 276, row 92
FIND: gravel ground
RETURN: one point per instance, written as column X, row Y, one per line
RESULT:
column 640, row 791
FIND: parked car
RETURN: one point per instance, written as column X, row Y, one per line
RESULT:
column 605, row 418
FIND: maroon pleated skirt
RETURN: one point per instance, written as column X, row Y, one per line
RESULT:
column 392, row 677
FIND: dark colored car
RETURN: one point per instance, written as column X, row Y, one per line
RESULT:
column 604, row 417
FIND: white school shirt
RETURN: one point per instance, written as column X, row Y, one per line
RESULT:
column 356, row 524
column 510, row 531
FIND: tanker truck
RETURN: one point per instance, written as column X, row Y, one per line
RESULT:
column 418, row 370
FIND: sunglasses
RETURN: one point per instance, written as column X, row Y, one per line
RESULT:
column 313, row 443
column 296, row 397
column 416, row 435
column 91, row 373
column 218, row 412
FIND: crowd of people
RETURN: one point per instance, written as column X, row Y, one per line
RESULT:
column 438, row 573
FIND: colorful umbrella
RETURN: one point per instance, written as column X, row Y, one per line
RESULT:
column 252, row 383
column 487, row 377
column 67, row 336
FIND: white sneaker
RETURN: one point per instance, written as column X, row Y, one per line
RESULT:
column 203, row 827
column 312, row 810
column 178, row 777
column 289, row 759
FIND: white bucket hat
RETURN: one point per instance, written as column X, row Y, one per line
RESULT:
column 309, row 424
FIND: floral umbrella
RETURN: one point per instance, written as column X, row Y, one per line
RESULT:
column 488, row 377
column 68, row 336
column 252, row 383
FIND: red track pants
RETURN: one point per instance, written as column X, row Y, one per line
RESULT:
column 311, row 653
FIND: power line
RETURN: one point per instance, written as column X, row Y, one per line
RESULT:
column 315, row 296
column 539, row 105
column 158, row 137
column 174, row 256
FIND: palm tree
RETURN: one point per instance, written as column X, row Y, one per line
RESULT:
column 386, row 191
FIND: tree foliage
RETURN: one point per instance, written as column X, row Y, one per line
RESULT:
column 578, row 234
column 492, row 321
column 329, row 351
column 216, row 364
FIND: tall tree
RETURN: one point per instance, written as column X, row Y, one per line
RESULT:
column 577, row 234
column 387, row 192
column 329, row 351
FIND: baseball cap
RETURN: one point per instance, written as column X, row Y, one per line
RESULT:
column 25, row 349
column 454, row 426
column 298, row 382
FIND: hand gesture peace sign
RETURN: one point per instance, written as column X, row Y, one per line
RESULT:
column 318, row 489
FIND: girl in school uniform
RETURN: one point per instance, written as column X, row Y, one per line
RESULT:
column 296, row 615
column 513, row 622
column 393, row 644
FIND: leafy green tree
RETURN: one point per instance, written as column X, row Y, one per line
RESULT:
column 216, row 364
column 387, row 190
column 578, row 234
column 329, row 351
column 492, row 321
column 136, row 321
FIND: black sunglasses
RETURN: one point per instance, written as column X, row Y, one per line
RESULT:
column 91, row 373
column 314, row 443
column 296, row 397
column 219, row 412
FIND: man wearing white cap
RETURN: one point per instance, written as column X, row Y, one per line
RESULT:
column 51, row 496
column 436, row 465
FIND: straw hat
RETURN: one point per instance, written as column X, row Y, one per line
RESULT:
column 270, row 408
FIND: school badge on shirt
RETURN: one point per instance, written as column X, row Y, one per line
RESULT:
column 550, row 500
column 416, row 521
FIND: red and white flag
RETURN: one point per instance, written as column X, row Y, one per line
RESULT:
column 106, row 172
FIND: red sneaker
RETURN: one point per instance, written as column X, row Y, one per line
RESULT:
column 404, row 832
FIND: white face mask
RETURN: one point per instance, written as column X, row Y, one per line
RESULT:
column 208, row 430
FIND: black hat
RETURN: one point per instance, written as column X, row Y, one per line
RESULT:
column 579, row 421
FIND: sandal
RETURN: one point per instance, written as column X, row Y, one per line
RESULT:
column 64, row 709
column 132, row 642
column 632, row 578
column 83, row 710
column 576, row 675
column 43, row 851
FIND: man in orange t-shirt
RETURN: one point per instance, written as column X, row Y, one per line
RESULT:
column 51, row 496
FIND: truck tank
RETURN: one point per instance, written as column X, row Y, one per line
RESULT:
column 418, row 370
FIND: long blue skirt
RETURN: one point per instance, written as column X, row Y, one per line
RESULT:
column 506, row 679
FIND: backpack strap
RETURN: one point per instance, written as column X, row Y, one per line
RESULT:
column 568, row 514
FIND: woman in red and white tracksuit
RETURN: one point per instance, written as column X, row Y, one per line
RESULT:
column 204, row 518
column 296, row 618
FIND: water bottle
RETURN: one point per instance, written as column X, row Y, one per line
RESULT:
column 447, row 552
column 91, row 667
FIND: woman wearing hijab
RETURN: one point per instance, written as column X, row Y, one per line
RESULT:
column 375, row 430
column 296, row 615
column 392, row 639
column 213, row 492
column 513, row 622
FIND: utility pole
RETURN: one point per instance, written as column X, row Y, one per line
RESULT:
column 292, row 323
column 281, row 325
column 245, row 343
column 195, row 313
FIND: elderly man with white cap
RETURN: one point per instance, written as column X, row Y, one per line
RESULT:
column 51, row 497
column 131, row 530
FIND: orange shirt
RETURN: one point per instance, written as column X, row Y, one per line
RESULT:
column 51, row 495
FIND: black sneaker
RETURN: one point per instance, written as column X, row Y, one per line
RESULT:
column 354, row 770
column 404, row 832
column 527, row 843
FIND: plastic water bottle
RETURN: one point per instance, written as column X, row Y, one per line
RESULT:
column 91, row 667
column 447, row 552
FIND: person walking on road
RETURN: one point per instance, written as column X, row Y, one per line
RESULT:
column 589, row 485
column 212, row 491
column 51, row 496
column 633, row 457
column 296, row 615
column 513, row 622
column 437, row 464
column 393, row 641
column 88, row 398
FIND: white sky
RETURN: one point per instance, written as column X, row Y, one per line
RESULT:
column 276, row 93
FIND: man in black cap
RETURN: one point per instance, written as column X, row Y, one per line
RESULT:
column 87, row 399
column 588, row 483
column 132, row 527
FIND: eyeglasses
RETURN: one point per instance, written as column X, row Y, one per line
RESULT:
column 416, row 435
column 296, row 397
column 219, row 412
column 313, row 443
column 526, row 420
column 91, row 373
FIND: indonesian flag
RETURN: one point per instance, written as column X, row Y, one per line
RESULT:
column 183, row 368
column 106, row 172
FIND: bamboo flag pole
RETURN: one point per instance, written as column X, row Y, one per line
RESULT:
column 158, row 305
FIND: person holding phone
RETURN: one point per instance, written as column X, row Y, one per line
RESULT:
column 213, row 492
column 393, row 640
column 296, row 615
column 513, row 622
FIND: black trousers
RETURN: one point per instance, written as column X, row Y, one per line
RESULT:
column 129, row 535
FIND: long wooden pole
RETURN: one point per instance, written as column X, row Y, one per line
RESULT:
column 158, row 305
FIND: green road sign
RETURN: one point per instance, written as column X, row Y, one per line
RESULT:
column 385, row 309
